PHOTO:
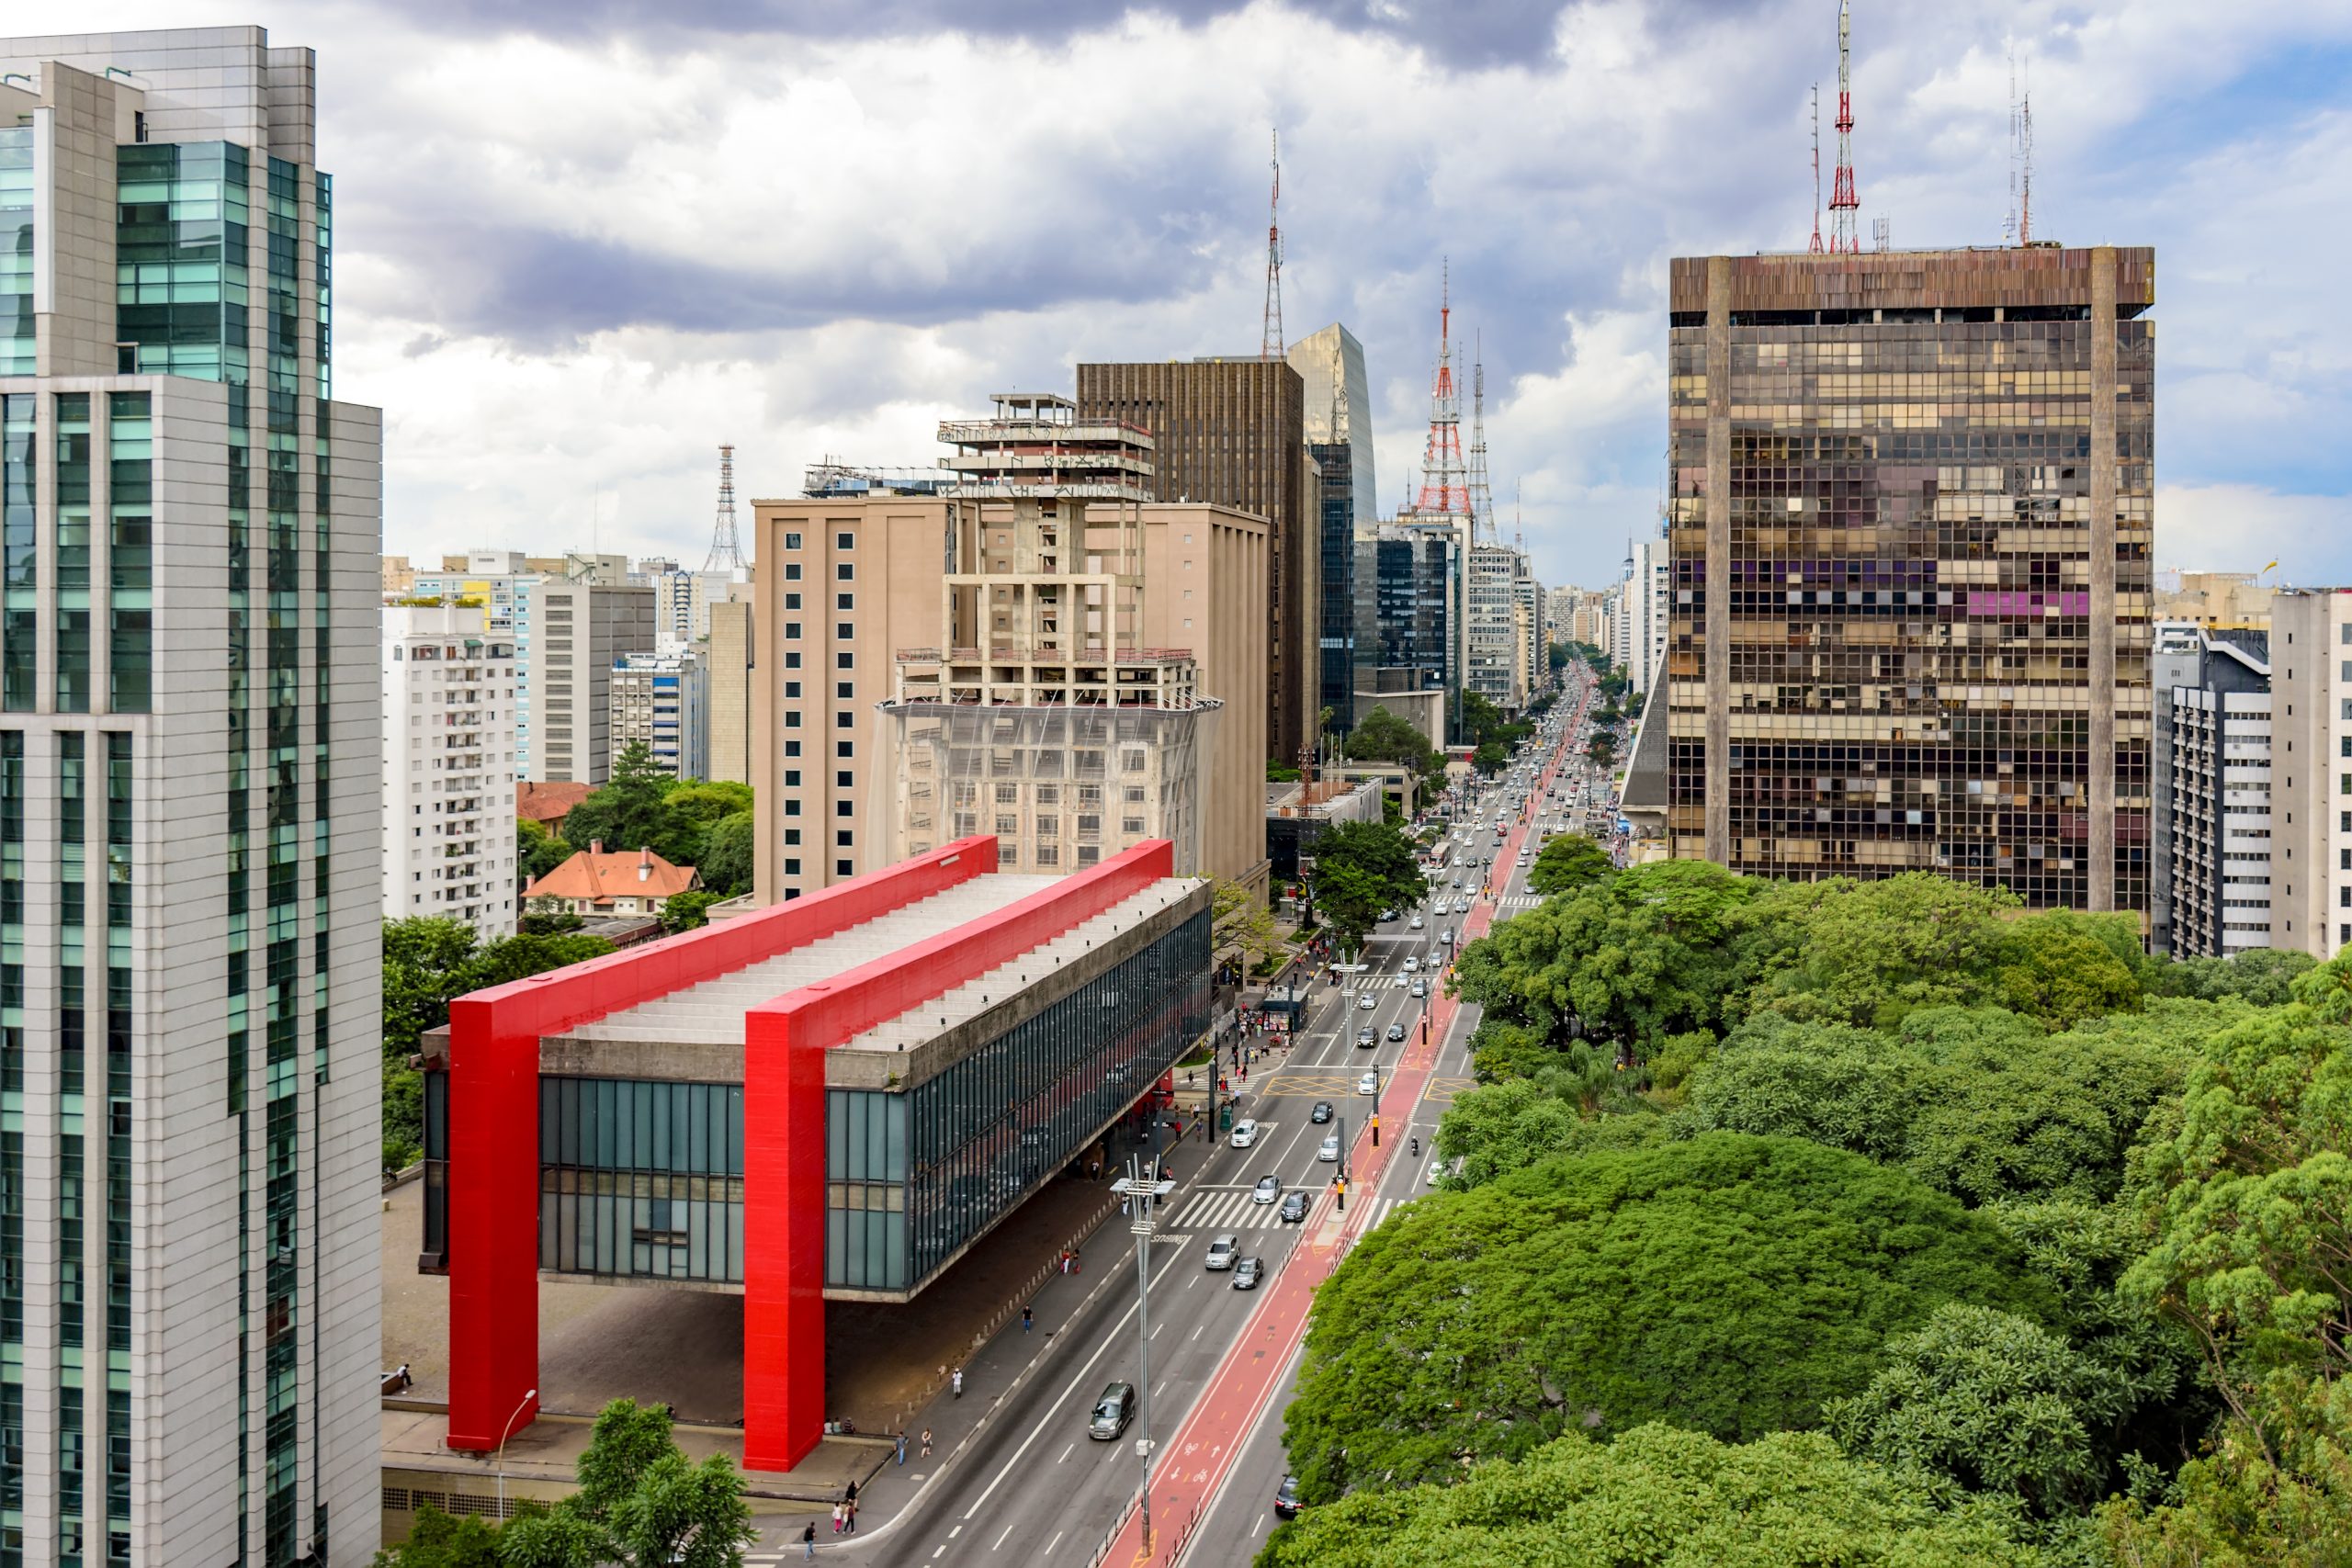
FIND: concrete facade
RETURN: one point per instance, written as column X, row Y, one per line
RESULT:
column 191, row 806
column 730, row 652
column 1232, row 433
column 585, row 628
column 2213, row 820
column 504, row 583
column 663, row 700
column 449, row 774
column 2311, row 768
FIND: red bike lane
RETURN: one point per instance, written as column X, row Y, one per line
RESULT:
column 1193, row 1463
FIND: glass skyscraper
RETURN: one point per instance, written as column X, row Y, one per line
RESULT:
column 190, row 736
column 1911, row 519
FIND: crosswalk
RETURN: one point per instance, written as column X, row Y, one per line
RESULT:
column 1212, row 1213
column 1513, row 903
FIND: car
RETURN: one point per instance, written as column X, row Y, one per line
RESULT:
column 1446, row 936
column 1269, row 1188
column 1245, row 1133
column 1387, row 914
column 1247, row 1272
column 1420, row 989
column 1286, row 1498
column 1112, row 1413
column 1320, row 1114
column 1368, row 1083
column 1396, row 1032
column 1363, row 1035
column 1441, row 908
column 1412, row 963
column 1222, row 1251
column 1367, row 1001
column 1457, row 884
column 1293, row 1209
column 1329, row 1151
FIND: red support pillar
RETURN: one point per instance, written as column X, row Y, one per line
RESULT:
column 784, row 1235
column 494, row 1225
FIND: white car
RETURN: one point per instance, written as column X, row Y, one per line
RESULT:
column 1222, row 1251
column 1415, row 923
column 1329, row 1153
column 1368, row 1083
column 1412, row 964
column 1245, row 1133
column 1269, row 1188
column 1367, row 1001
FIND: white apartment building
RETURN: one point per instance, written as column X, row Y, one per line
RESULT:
column 2212, row 869
column 449, row 717
column 191, row 763
column 1641, row 631
column 1490, row 634
column 2311, row 737
column 504, row 583
column 681, row 601
column 664, row 700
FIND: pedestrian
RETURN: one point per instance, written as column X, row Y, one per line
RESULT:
column 808, row 1539
column 853, row 1516
column 851, row 1496
column 926, row 1442
column 957, row 1378
column 837, row 1519
column 902, row 1445
column 1027, row 1317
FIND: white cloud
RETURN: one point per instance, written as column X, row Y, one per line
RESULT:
column 2234, row 527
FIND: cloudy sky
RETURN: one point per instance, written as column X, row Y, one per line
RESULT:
column 582, row 242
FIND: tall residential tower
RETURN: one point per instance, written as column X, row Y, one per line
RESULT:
column 191, row 843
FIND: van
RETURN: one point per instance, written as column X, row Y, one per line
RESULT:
column 1112, row 1413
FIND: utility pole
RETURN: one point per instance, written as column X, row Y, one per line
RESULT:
column 1144, row 1193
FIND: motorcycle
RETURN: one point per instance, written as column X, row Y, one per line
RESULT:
column 1417, row 1148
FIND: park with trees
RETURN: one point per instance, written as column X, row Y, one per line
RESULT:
column 1851, row 1222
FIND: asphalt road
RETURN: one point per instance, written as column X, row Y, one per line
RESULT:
column 1029, row 1485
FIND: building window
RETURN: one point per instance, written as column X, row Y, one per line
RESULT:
column 791, row 631
column 792, row 600
column 792, row 688
column 844, row 809
column 792, row 807
column 844, row 719
column 849, row 602
column 844, row 631
column 792, row 541
column 843, row 572
column 844, row 868
column 792, row 748
column 792, row 835
column 792, row 866
column 792, row 718
column 842, row 781
column 792, row 778
column 845, row 660
column 792, row 571
column 792, row 660
column 845, row 689
column 845, row 541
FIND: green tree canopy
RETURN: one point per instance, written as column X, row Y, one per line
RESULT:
column 436, row 1540
column 1658, row 1497
column 2262, row 976
column 1726, row 1284
column 1566, row 862
column 537, row 851
column 1490, row 759
column 626, row 813
column 1381, row 737
column 641, row 1504
column 726, row 862
column 1361, row 868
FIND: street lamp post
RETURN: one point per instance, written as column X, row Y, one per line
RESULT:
column 503, row 1433
column 1143, row 1192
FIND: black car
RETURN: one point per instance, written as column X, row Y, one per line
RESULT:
column 1247, row 1273
column 1294, row 1208
column 1322, row 1111
column 1286, row 1498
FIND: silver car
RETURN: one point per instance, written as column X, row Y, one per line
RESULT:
column 1329, row 1151
column 1223, row 1250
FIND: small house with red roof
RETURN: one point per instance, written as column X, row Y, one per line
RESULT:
column 593, row 882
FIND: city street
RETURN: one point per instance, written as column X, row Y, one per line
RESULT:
column 1014, row 1476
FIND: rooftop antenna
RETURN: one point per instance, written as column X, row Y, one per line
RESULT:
column 2019, row 230
column 1482, row 496
column 1843, row 203
column 1442, row 486
column 1881, row 231
column 1270, row 344
column 1816, row 246
column 726, row 555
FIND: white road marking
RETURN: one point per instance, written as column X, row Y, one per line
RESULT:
column 999, row 1540
column 1053, row 1409
column 1259, row 1525
column 1053, row 1543
column 957, row 1531
column 1067, row 1452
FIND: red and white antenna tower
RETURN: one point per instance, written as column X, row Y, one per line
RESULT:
column 1443, row 488
column 1816, row 246
column 1270, row 346
column 726, row 555
column 1843, row 203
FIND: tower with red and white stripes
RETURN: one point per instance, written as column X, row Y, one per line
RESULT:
column 1843, row 203
column 1445, row 488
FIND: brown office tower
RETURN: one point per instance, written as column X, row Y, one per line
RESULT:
column 1233, row 433
column 1911, row 524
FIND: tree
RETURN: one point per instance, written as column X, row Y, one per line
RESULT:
column 1986, row 1400
column 640, row 1504
column 1728, row 1284
column 1567, row 862
column 536, row 851
column 627, row 812
column 1361, row 868
column 437, row 1540
column 688, row 910
column 1381, row 737
column 1240, row 926
column 2262, row 976
column 727, row 849
column 1601, row 748
column 1558, row 654
column 547, row 917
column 2248, row 1187
column 1657, row 1497
column 1490, row 759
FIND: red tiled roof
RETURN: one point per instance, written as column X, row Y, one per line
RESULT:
column 595, row 875
column 548, row 803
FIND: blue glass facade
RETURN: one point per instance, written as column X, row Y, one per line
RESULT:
column 1338, row 639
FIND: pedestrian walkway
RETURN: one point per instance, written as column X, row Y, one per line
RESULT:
column 1213, row 1211
column 1513, row 903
